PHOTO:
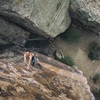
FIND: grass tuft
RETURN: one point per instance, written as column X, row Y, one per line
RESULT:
column 66, row 60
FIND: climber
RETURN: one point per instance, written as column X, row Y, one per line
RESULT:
column 32, row 59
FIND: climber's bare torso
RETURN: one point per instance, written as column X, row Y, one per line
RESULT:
column 28, row 55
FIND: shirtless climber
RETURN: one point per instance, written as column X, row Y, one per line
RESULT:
column 32, row 59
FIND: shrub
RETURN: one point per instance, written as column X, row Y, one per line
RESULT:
column 66, row 60
column 94, row 51
column 71, row 36
column 96, row 93
column 96, row 78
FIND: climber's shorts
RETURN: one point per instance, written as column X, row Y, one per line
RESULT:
column 33, row 61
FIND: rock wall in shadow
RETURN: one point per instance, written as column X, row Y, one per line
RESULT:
column 86, row 13
column 10, row 33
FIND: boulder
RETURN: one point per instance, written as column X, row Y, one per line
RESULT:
column 45, row 17
column 87, row 13
column 59, row 54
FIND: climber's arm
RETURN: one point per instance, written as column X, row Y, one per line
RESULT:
column 25, row 59
column 30, row 59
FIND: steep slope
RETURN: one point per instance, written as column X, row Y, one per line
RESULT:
column 52, row 81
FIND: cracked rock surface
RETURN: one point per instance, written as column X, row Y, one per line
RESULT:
column 51, row 80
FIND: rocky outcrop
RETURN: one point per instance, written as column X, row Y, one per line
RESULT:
column 51, row 81
column 87, row 13
column 45, row 17
column 48, row 18
column 10, row 33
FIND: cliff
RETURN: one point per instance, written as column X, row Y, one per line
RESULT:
column 50, row 81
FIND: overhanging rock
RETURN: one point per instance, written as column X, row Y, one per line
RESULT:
column 45, row 17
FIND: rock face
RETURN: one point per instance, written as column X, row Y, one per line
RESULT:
column 9, row 33
column 45, row 17
column 53, row 81
column 87, row 13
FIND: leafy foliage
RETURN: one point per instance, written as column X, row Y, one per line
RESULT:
column 94, row 51
column 96, row 78
column 71, row 36
column 96, row 93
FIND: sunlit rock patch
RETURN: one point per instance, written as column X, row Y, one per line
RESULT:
column 41, row 83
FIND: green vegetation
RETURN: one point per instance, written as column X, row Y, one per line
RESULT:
column 94, row 51
column 71, row 35
column 96, row 93
column 96, row 78
column 66, row 60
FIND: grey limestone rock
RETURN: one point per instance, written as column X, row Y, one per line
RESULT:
column 45, row 17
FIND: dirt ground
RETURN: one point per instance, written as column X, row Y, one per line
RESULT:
column 79, row 52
